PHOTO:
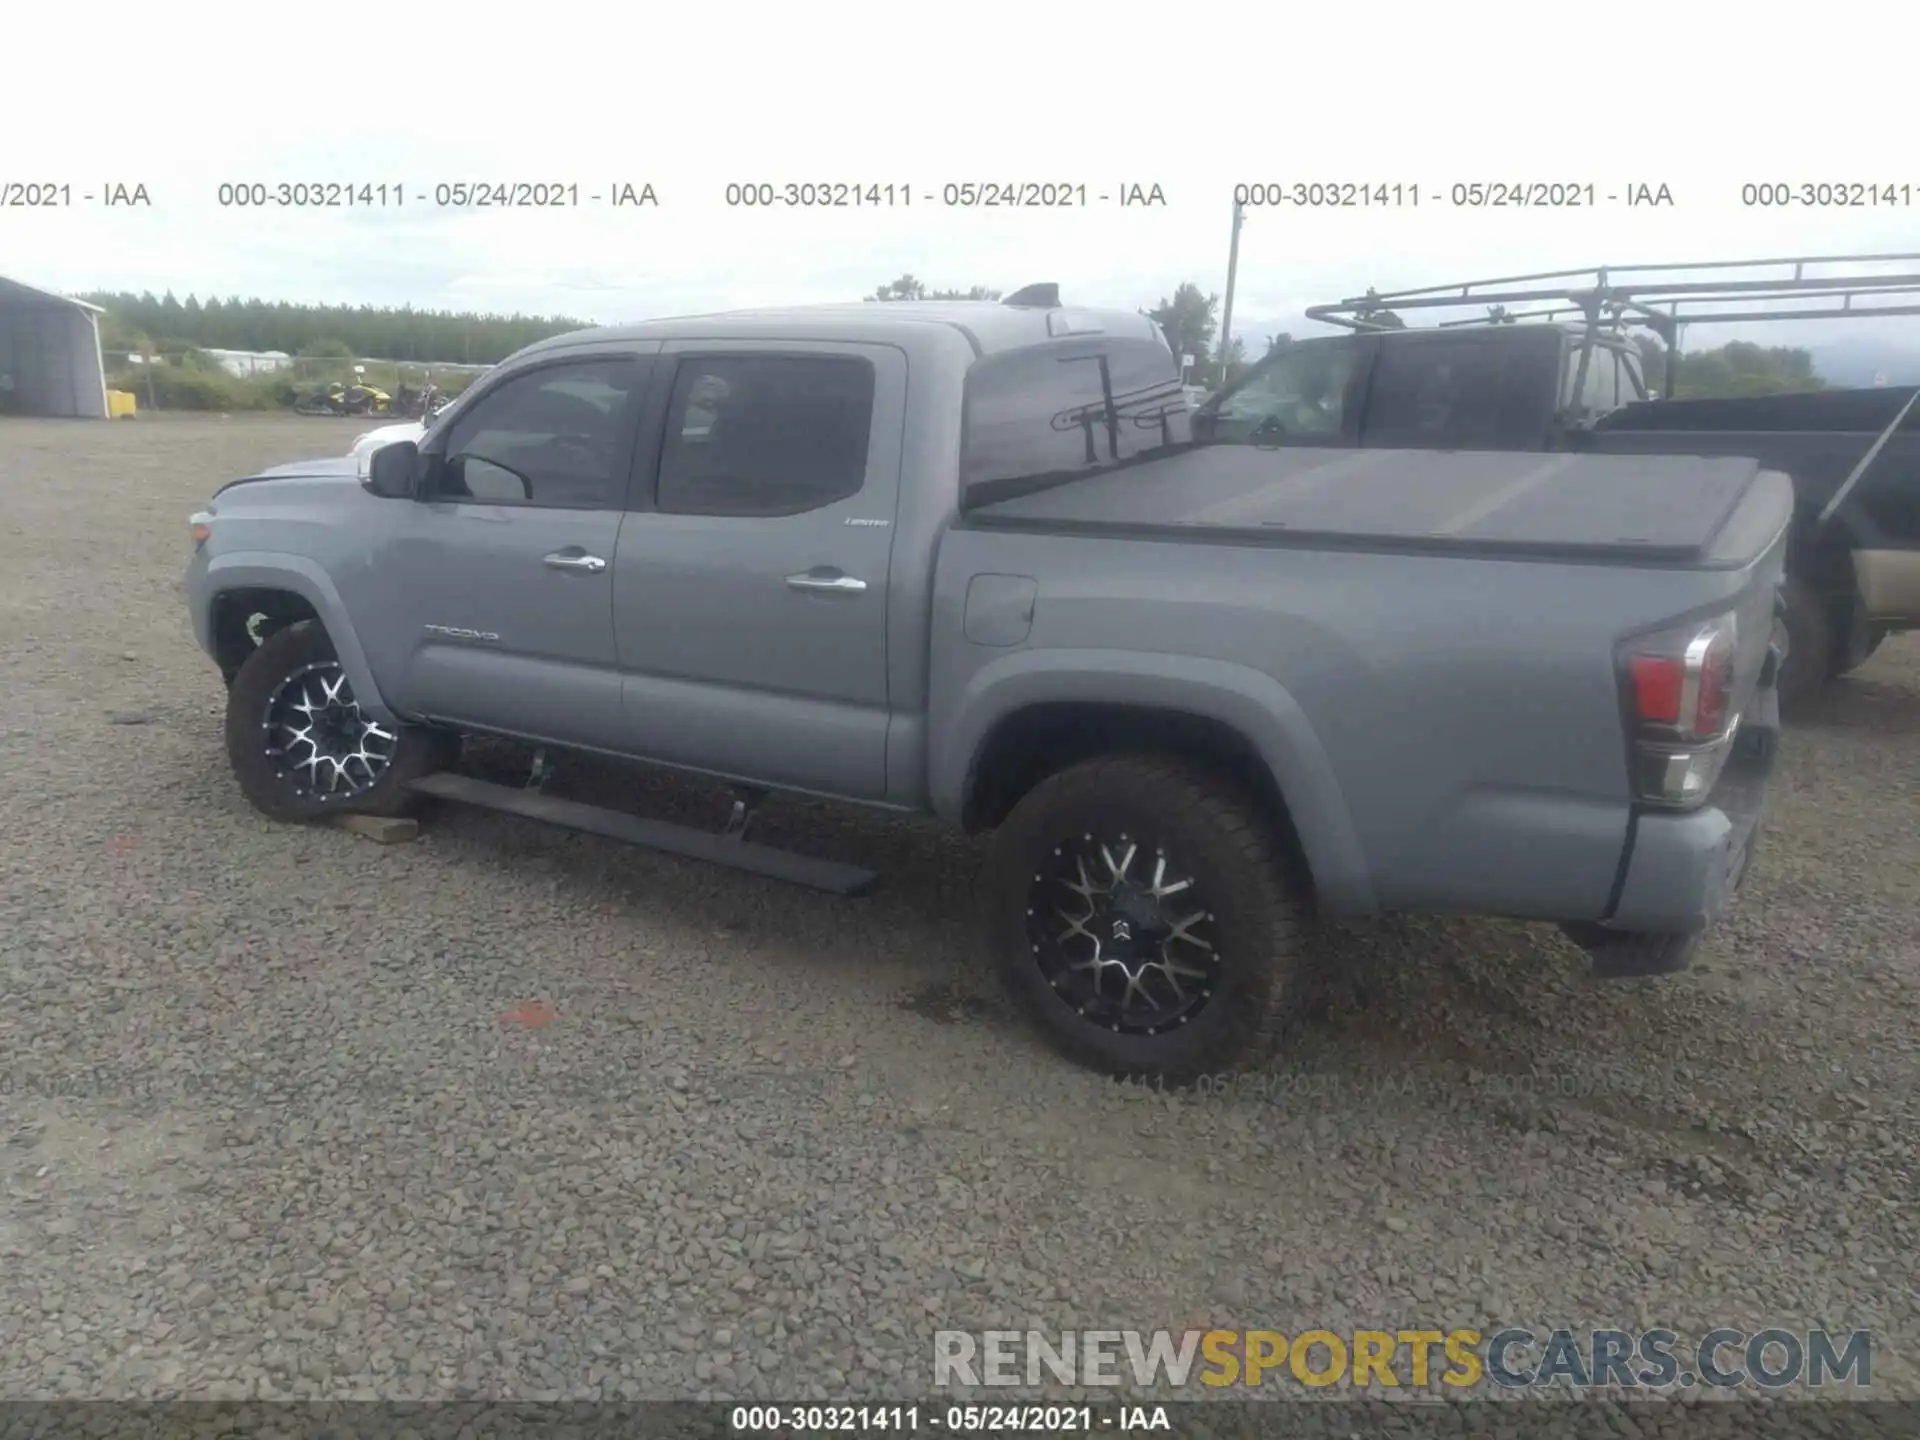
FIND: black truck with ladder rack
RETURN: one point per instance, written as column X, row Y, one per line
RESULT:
column 1555, row 362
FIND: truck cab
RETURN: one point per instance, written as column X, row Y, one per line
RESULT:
column 1510, row 387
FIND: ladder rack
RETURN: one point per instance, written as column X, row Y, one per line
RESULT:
column 1660, row 298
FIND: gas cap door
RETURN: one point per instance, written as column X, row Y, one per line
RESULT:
column 1000, row 609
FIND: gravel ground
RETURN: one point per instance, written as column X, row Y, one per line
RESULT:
column 508, row 1112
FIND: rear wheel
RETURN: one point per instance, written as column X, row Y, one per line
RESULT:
column 1865, row 653
column 1810, row 642
column 1137, row 909
column 301, row 747
column 1855, row 641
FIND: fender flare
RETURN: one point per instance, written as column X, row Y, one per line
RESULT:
column 266, row 570
column 1253, row 704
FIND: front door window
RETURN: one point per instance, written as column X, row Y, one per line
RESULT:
column 553, row 438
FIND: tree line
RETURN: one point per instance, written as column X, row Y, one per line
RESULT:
column 1738, row 368
column 166, row 325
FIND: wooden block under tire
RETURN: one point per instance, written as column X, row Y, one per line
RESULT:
column 385, row 829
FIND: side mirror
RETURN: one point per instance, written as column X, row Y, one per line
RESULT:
column 391, row 470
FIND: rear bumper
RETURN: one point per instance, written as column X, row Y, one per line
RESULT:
column 1684, row 869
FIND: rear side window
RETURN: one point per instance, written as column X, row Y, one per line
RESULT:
column 1464, row 393
column 765, row 434
column 1076, row 406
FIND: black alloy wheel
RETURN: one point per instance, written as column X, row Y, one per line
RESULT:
column 314, row 730
column 1122, row 933
column 1139, row 909
column 301, row 746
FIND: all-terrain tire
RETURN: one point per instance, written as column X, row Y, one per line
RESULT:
column 279, row 789
column 1854, row 643
column 1256, row 918
column 1810, row 643
column 1859, row 657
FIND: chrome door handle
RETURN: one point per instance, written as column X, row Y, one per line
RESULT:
column 592, row 564
column 835, row 584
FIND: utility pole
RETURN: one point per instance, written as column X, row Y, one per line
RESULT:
column 1226, row 310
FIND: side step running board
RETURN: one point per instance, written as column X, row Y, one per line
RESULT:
column 828, row 875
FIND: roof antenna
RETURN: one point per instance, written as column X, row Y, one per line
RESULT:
column 1046, row 297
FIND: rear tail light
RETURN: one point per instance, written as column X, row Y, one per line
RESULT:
column 1657, row 686
column 1680, row 692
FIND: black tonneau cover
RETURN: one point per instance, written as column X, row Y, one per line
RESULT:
column 1867, row 411
column 1648, row 508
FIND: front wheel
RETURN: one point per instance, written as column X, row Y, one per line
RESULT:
column 300, row 745
column 1137, row 908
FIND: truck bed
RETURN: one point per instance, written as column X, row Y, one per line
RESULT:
column 1865, row 411
column 1665, row 510
column 1818, row 439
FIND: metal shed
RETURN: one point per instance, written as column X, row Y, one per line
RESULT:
column 50, row 354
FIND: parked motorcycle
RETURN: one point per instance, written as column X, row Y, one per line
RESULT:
column 339, row 399
column 421, row 404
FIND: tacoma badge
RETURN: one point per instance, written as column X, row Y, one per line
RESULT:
column 459, row 634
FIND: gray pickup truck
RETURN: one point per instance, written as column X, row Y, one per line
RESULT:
column 965, row 559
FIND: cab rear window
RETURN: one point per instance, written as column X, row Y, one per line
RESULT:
column 1464, row 392
column 1070, row 408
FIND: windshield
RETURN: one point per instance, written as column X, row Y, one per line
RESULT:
column 1300, row 395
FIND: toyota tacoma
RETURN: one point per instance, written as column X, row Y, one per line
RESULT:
column 966, row 559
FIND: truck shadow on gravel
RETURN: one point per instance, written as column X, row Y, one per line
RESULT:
column 1497, row 1019
column 1355, row 975
column 1416, row 1008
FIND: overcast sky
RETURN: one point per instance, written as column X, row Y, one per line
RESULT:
column 1698, row 97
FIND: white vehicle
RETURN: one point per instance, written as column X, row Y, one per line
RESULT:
column 372, row 440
